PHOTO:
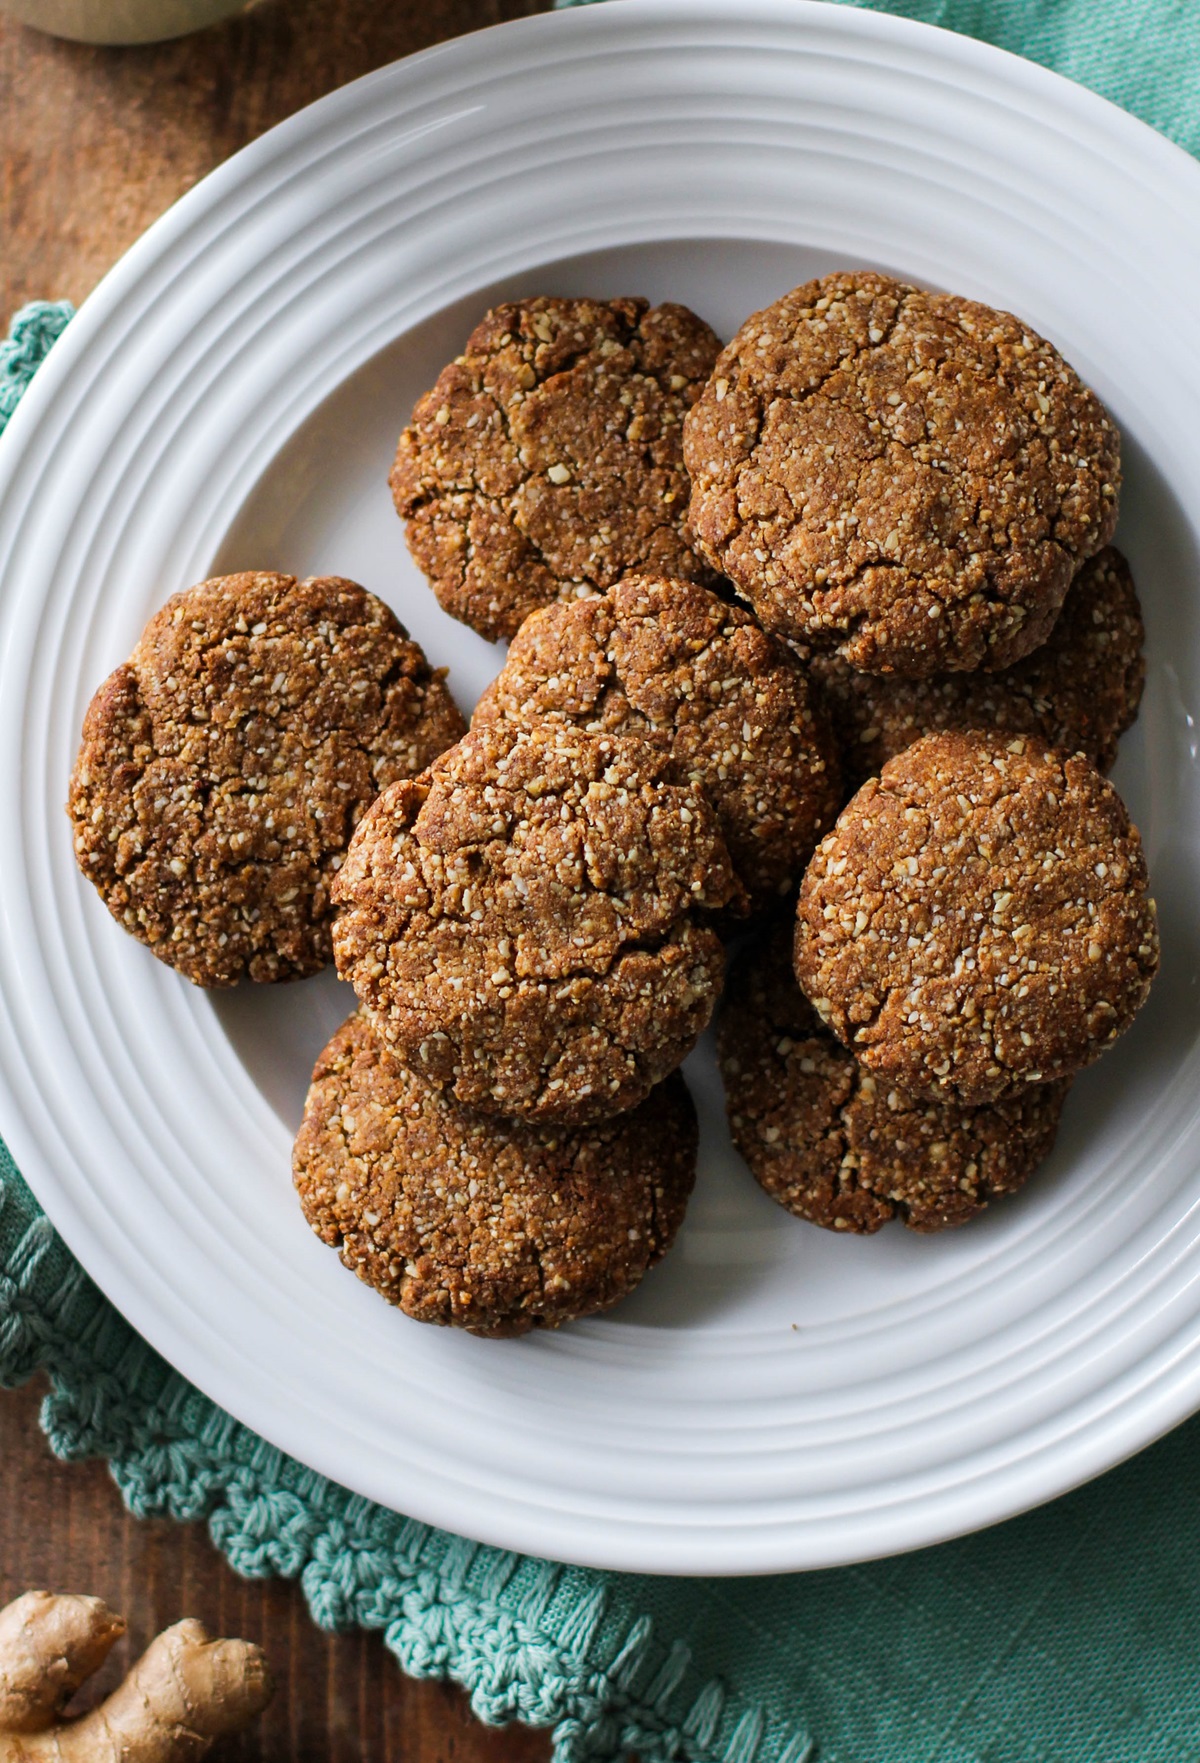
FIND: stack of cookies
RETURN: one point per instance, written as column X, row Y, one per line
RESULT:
column 919, row 494
column 867, row 544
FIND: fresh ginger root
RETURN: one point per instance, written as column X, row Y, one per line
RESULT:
column 185, row 1691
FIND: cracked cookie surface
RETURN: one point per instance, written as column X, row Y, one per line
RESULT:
column 842, row 1148
column 224, row 766
column 1080, row 690
column 495, row 1226
column 520, row 922
column 907, row 478
column 978, row 919
column 656, row 657
column 546, row 462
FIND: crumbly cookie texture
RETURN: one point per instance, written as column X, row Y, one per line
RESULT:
column 224, row 766
column 495, row 1226
column 907, row 478
column 978, row 919
column 519, row 922
column 656, row 657
column 546, row 463
column 842, row 1148
column 1080, row 690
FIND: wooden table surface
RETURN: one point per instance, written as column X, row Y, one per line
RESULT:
column 94, row 144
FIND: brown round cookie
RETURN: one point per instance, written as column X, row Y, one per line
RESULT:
column 519, row 921
column 978, row 918
column 224, row 766
column 546, row 463
column 907, row 478
column 496, row 1226
column 657, row 657
column 1080, row 691
column 834, row 1144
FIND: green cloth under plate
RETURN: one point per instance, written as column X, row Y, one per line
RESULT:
column 1068, row 1636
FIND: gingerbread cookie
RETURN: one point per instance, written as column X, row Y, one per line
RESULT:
column 546, row 463
column 842, row 1148
column 978, row 919
column 909, row 479
column 522, row 921
column 224, row 766
column 495, row 1226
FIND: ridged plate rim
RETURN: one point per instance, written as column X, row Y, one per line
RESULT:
column 236, row 281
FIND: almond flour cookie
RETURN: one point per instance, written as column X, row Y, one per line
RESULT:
column 656, row 657
column 495, row 1226
column 224, row 766
column 978, row 919
column 907, row 478
column 1080, row 691
column 519, row 922
column 546, row 462
column 842, row 1148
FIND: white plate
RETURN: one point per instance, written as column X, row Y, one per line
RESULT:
column 774, row 1397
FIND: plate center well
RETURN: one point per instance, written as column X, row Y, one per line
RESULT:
column 323, row 506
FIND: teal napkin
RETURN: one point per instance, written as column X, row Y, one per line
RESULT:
column 1068, row 1636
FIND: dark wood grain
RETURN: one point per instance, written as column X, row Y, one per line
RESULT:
column 340, row 1698
column 94, row 144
